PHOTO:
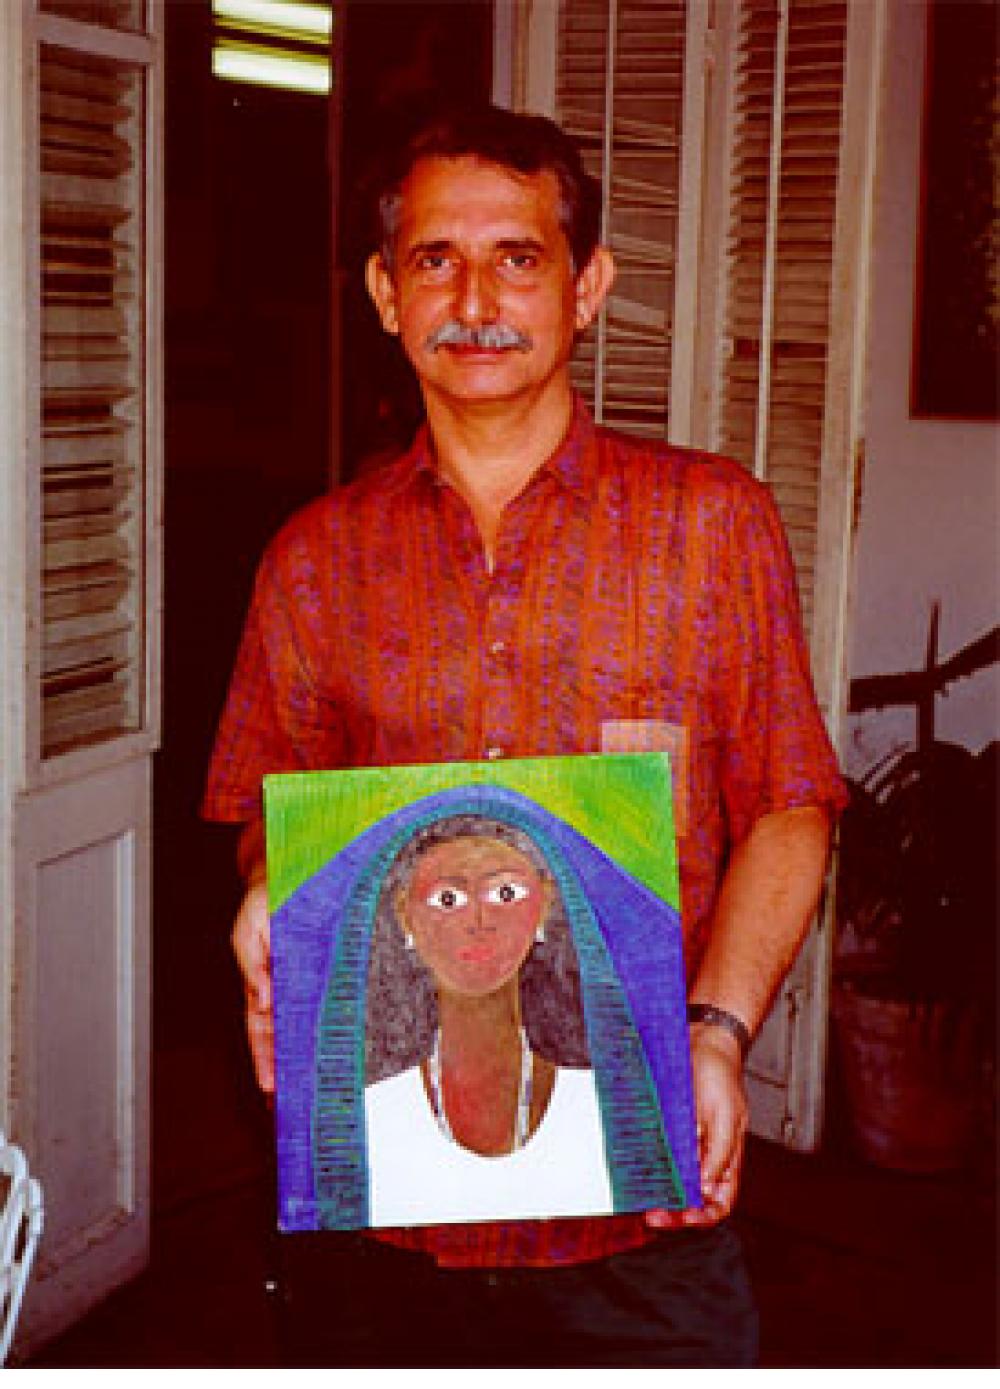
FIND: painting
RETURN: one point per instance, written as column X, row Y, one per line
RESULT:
column 479, row 993
column 957, row 310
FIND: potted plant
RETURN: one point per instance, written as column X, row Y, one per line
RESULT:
column 914, row 990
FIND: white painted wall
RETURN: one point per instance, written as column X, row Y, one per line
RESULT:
column 929, row 516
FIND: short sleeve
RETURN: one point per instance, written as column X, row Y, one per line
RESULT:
column 777, row 752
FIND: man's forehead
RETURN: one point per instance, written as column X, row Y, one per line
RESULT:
column 450, row 190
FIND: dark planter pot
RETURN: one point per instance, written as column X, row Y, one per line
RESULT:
column 912, row 1076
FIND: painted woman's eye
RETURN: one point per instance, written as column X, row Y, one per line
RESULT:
column 447, row 898
column 502, row 894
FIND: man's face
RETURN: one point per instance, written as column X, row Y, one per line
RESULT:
column 482, row 291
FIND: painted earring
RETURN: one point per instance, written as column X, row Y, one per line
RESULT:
column 540, row 933
column 408, row 943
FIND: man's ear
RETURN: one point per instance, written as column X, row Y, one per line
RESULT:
column 382, row 291
column 592, row 286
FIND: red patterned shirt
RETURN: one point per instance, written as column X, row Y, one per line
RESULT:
column 642, row 598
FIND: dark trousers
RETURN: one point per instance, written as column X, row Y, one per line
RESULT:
column 683, row 1300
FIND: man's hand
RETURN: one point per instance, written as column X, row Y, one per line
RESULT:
column 252, row 947
column 765, row 904
column 721, row 1110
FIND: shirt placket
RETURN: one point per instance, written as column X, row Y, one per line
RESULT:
column 502, row 664
column 497, row 657
column 496, row 594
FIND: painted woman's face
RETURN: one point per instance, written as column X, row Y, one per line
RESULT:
column 472, row 908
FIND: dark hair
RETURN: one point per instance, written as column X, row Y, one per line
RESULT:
column 512, row 140
column 401, row 994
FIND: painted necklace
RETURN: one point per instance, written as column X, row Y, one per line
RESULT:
column 523, row 1116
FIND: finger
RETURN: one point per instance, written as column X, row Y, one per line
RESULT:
column 720, row 1189
column 260, row 1035
column 719, row 1201
column 710, row 1213
column 665, row 1220
column 716, row 1149
column 262, row 988
column 251, row 942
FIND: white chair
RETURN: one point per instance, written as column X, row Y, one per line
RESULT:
column 20, row 1226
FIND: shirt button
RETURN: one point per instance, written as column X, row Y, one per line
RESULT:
column 494, row 753
column 497, row 648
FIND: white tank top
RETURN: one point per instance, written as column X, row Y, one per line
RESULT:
column 418, row 1177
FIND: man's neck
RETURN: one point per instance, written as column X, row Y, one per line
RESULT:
column 490, row 452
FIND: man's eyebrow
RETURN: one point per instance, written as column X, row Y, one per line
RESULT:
column 520, row 243
column 441, row 244
column 425, row 248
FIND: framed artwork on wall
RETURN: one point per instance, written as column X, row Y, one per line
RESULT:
column 957, row 303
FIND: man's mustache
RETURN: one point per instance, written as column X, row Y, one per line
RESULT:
column 489, row 337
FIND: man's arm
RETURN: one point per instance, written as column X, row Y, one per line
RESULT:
column 251, row 940
column 766, row 902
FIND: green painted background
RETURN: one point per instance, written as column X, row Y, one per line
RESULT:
column 621, row 802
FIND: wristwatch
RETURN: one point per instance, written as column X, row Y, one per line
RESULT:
column 718, row 1017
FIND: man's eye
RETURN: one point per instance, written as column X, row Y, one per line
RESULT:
column 502, row 894
column 447, row 899
column 432, row 260
column 520, row 260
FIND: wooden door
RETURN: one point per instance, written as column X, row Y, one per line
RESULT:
column 79, row 470
column 735, row 142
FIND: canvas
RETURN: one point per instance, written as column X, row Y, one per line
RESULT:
column 479, row 993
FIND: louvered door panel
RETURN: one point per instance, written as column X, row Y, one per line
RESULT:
column 581, row 79
column 787, row 324
column 92, row 398
column 80, row 474
column 767, row 365
column 784, row 182
column 619, row 90
column 111, row 14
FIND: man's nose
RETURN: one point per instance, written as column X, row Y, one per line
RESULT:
column 475, row 298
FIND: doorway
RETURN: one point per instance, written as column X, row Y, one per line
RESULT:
column 252, row 433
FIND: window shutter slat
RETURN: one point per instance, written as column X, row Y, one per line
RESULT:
column 112, row 14
column 781, row 246
column 620, row 69
column 91, row 223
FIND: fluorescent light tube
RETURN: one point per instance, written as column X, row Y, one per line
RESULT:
column 290, row 16
column 270, row 70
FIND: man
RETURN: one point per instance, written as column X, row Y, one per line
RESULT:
column 520, row 583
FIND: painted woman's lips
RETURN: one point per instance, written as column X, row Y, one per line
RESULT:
column 476, row 954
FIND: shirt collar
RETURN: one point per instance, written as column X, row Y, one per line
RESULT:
column 573, row 465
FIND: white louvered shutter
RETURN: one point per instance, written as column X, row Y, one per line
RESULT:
column 787, row 128
column 619, row 90
column 735, row 141
column 793, row 155
column 92, row 397
column 80, row 487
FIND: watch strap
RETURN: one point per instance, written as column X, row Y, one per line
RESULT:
column 719, row 1017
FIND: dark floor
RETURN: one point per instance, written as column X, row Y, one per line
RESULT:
column 853, row 1266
